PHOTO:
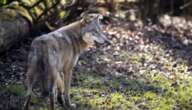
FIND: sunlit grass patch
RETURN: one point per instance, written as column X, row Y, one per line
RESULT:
column 153, row 92
column 134, row 57
column 100, row 99
column 174, row 94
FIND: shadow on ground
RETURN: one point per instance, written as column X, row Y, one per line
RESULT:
column 142, row 70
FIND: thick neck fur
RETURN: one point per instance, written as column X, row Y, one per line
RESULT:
column 76, row 29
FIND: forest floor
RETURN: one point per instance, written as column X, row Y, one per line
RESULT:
column 145, row 68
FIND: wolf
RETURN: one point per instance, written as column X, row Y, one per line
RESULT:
column 52, row 57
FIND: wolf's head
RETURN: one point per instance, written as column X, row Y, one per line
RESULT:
column 92, row 30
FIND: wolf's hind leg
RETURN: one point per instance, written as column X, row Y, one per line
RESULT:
column 30, row 82
column 26, row 104
column 52, row 87
column 67, row 84
column 60, row 83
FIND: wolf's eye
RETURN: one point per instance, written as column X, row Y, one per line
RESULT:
column 94, row 31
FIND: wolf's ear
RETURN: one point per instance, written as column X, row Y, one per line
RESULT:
column 100, row 16
column 87, row 12
column 84, row 14
column 87, row 18
column 84, row 17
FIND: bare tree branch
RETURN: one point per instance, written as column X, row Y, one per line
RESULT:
column 46, row 11
column 185, row 5
column 66, row 7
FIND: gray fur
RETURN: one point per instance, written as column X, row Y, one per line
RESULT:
column 53, row 56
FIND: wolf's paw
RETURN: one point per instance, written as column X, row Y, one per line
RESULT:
column 71, row 106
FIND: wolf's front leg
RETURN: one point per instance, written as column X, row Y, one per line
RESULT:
column 26, row 105
column 52, row 98
column 67, row 84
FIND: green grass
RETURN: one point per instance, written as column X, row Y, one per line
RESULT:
column 149, row 89
column 143, row 90
column 153, row 92
column 161, row 94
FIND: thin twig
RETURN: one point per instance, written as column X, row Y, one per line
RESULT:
column 46, row 11
column 66, row 7
column 185, row 5
column 35, row 4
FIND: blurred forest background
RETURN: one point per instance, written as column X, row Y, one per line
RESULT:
column 148, row 66
column 22, row 16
